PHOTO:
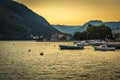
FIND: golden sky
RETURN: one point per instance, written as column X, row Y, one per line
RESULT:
column 75, row 12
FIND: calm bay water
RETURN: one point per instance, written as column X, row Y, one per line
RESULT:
column 21, row 60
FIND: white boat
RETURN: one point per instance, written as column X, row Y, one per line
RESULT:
column 81, row 43
column 104, row 48
column 96, row 43
column 86, row 44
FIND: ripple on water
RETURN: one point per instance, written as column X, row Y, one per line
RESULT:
column 22, row 61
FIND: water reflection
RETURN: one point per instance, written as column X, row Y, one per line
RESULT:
column 22, row 61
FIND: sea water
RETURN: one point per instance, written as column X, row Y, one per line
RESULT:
column 22, row 60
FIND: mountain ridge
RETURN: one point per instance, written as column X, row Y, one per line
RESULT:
column 112, row 25
column 19, row 22
column 66, row 29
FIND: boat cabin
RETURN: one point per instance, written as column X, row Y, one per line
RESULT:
column 103, row 46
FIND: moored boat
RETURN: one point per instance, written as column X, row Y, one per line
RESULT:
column 81, row 42
column 96, row 43
column 104, row 48
column 71, row 47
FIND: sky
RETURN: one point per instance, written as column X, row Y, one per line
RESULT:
column 75, row 12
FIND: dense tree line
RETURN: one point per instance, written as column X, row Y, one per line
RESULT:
column 94, row 32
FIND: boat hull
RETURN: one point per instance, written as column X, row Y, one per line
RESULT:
column 70, row 47
column 104, row 49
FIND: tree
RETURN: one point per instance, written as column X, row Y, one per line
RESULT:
column 94, row 32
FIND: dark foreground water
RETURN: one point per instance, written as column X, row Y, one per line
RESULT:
column 21, row 60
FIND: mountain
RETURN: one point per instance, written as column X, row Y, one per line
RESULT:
column 92, row 22
column 66, row 29
column 73, row 29
column 112, row 25
column 19, row 22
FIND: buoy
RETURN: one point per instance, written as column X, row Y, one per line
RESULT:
column 29, row 50
column 41, row 54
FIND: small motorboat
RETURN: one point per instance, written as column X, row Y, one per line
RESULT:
column 71, row 47
column 104, row 48
column 84, row 43
column 81, row 42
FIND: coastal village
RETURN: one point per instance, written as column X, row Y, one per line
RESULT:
column 59, row 39
column 59, row 36
column 54, row 37
column 104, row 44
column 116, row 34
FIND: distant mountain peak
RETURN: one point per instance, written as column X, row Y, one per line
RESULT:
column 112, row 25
column 66, row 29
column 95, row 21
column 69, row 30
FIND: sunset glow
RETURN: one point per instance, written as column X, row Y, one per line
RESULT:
column 75, row 12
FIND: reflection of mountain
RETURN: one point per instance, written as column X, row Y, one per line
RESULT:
column 66, row 29
column 69, row 30
column 18, row 22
